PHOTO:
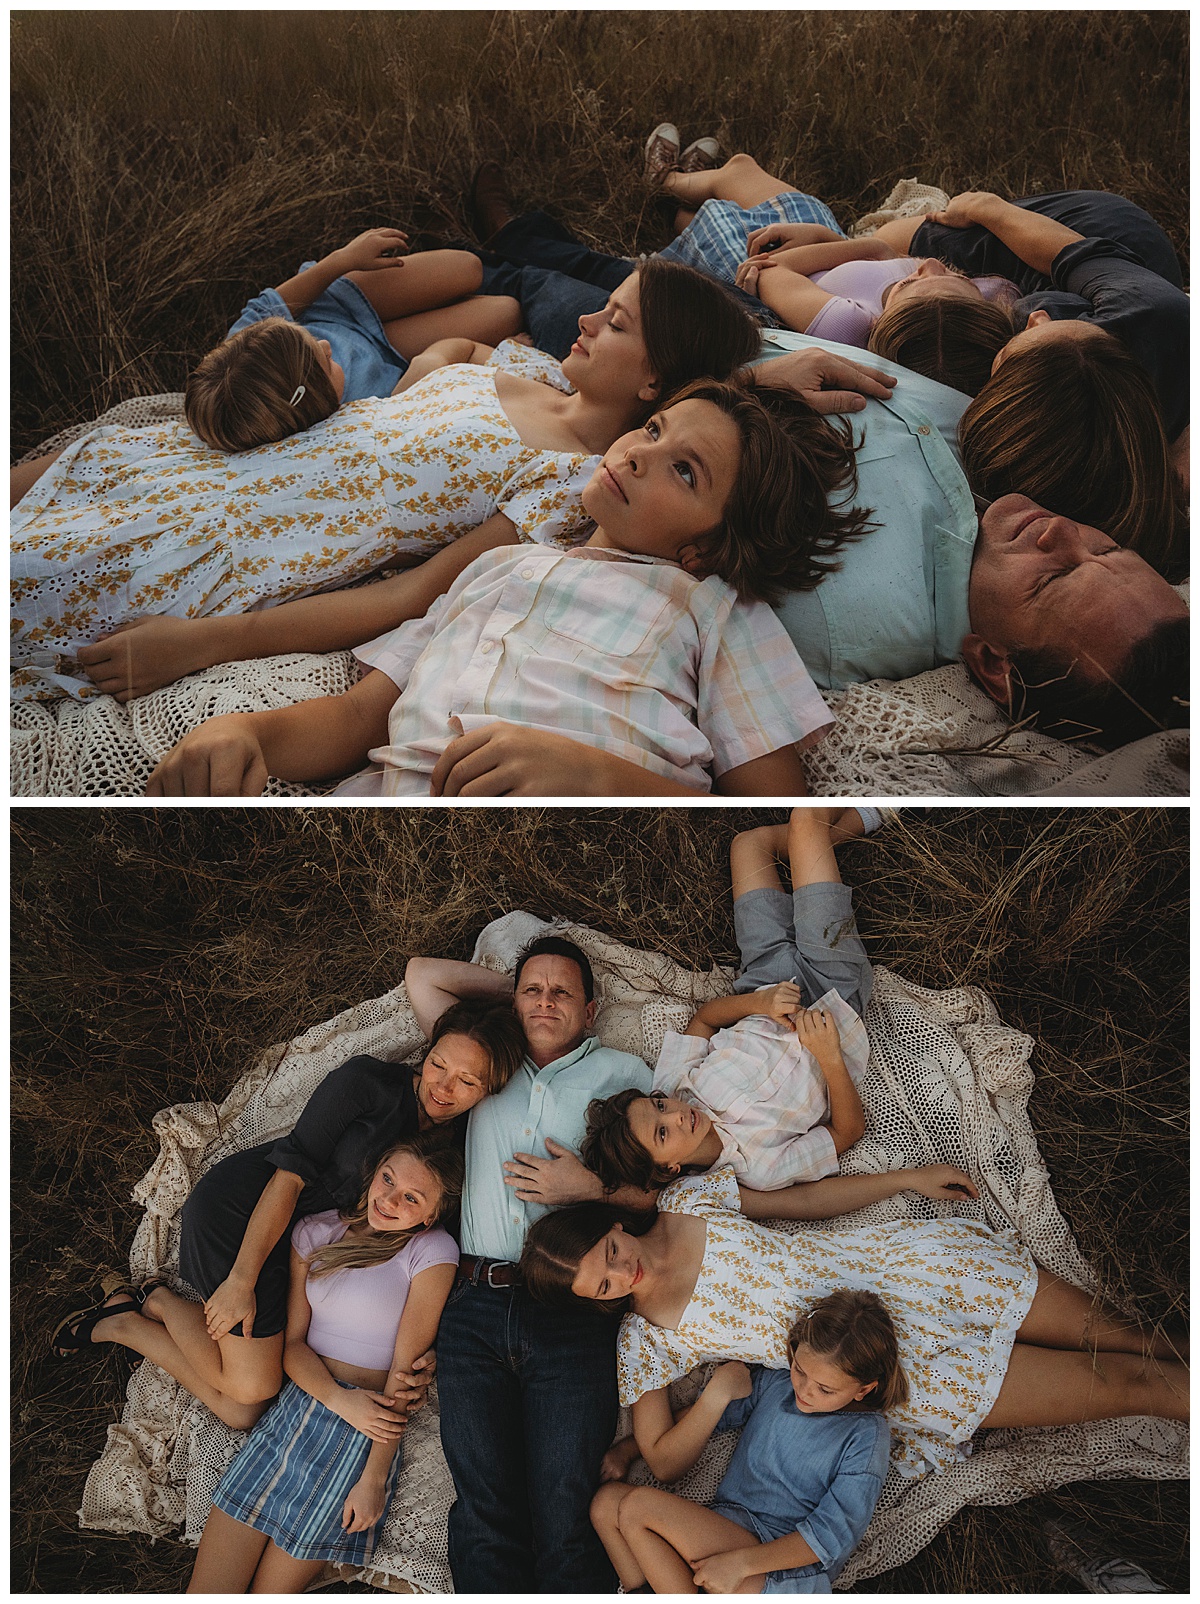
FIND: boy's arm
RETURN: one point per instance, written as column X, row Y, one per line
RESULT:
column 235, row 753
column 435, row 984
column 1036, row 240
column 364, row 254
column 817, row 1030
column 150, row 652
column 504, row 759
column 672, row 1446
column 776, row 1002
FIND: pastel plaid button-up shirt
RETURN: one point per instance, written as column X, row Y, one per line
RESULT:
column 765, row 1093
column 631, row 655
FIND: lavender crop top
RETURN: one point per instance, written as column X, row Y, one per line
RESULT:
column 857, row 288
column 356, row 1313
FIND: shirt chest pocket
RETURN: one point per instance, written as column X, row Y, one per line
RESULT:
column 601, row 610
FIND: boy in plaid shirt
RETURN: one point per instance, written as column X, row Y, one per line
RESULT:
column 767, row 1079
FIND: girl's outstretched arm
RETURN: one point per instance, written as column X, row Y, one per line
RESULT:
column 819, row 258
column 672, row 1446
column 842, row 1194
column 442, row 354
column 148, row 653
column 418, row 1326
column 323, row 739
column 379, row 249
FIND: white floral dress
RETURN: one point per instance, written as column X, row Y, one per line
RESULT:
column 956, row 1291
column 132, row 521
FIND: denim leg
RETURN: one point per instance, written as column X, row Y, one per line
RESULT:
column 536, row 240
column 479, row 1390
column 570, row 1400
column 553, row 304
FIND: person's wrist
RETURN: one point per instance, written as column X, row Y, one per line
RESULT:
column 986, row 208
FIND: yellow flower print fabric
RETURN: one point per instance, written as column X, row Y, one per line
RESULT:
column 135, row 521
column 956, row 1291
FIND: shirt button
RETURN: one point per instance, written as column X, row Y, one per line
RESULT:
column 527, row 573
column 923, row 429
column 486, row 647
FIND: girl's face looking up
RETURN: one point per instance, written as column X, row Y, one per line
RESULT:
column 670, row 1130
column 608, row 362
column 663, row 486
column 454, row 1077
column 820, row 1387
column 403, row 1195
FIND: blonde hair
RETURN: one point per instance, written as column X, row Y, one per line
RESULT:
column 244, row 393
column 441, row 1155
column 854, row 1331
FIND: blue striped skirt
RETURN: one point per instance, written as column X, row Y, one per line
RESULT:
column 715, row 239
column 292, row 1478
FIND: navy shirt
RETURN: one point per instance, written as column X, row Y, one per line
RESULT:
column 819, row 1475
column 1123, row 275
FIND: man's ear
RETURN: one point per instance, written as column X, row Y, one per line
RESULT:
column 991, row 666
column 589, row 1013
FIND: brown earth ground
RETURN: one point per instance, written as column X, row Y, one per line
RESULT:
column 154, row 955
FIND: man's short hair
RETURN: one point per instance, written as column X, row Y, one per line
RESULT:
column 1149, row 691
column 557, row 947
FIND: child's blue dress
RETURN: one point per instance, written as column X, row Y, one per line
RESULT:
column 343, row 316
column 819, row 1475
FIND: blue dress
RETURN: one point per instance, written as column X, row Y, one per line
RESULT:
column 819, row 1475
column 343, row 316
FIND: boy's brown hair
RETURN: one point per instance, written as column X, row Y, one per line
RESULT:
column 787, row 517
column 240, row 395
column 952, row 341
column 611, row 1151
column 854, row 1331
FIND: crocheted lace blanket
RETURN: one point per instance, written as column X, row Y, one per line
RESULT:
column 948, row 1081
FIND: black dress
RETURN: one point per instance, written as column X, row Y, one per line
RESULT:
column 357, row 1112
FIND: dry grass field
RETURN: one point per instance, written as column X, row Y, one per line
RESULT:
column 156, row 953
column 168, row 164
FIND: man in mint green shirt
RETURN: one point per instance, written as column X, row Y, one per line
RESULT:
column 1048, row 614
column 528, row 1394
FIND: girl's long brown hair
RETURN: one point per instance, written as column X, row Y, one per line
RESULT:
column 442, row 1157
column 1076, row 426
column 954, row 342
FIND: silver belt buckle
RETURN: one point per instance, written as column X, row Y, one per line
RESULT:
column 495, row 1264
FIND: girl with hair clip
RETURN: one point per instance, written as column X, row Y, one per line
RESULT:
column 805, row 1476
column 613, row 669
column 312, row 1485
column 488, row 448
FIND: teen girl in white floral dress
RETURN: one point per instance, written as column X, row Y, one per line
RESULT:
column 134, row 521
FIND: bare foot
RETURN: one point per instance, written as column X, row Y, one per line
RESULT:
column 147, row 654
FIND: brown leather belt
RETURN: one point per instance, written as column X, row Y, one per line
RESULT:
column 491, row 1272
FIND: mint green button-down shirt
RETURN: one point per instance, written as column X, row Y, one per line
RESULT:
column 898, row 603
column 535, row 1104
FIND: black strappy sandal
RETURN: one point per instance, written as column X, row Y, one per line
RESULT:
column 74, row 1333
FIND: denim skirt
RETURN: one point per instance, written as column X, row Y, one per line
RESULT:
column 293, row 1475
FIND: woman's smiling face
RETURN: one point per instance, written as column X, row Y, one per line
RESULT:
column 664, row 486
column 453, row 1077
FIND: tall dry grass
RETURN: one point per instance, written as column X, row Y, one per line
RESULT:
column 155, row 954
column 168, row 164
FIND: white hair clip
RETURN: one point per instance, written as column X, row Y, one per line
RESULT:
column 297, row 395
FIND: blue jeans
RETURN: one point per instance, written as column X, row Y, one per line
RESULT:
column 528, row 1407
column 557, row 279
